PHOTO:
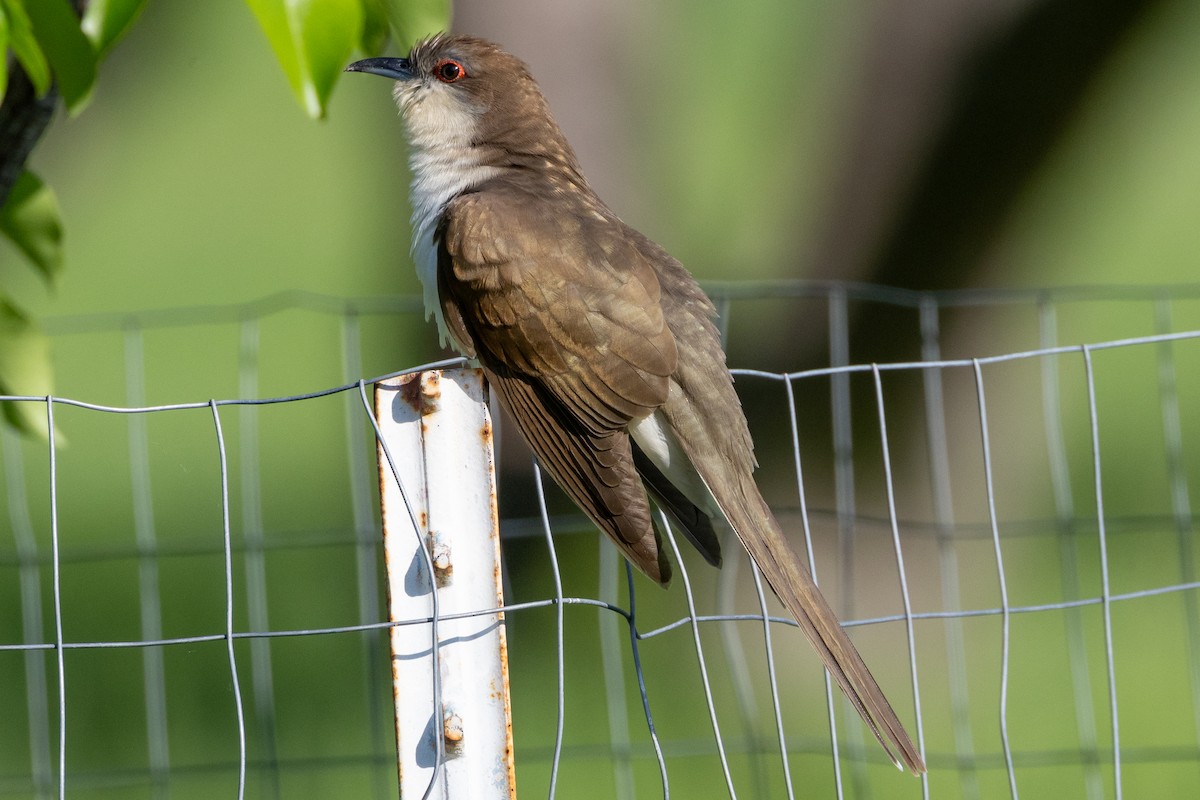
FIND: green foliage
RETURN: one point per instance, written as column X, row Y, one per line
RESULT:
column 72, row 59
column 24, row 369
column 375, row 27
column 3, row 48
column 19, row 36
column 105, row 21
column 30, row 220
column 313, row 39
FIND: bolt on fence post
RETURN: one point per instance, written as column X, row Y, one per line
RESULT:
column 439, row 433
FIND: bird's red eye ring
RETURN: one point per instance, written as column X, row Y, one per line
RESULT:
column 448, row 71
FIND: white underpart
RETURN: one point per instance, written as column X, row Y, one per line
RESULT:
column 656, row 438
column 444, row 164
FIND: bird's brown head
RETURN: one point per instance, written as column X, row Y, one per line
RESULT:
column 461, row 92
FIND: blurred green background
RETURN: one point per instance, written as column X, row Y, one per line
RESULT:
column 923, row 145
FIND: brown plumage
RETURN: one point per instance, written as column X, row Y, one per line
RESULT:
column 600, row 344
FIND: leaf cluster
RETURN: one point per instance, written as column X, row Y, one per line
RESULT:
column 59, row 49
column 314, row 39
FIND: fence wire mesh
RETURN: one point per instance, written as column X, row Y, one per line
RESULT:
column 993, row 487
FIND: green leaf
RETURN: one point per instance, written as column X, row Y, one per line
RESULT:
column 415, row 19
column 3, row 52
column 24, row 370
column 25, row 47
column 30, row 219
column 313, row 40
column 105, row 21
column 69, row 52
column 375, row 28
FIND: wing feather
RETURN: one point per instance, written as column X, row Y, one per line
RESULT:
column 575, row 343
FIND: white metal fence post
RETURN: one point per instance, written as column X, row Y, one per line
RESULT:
column 438, row 431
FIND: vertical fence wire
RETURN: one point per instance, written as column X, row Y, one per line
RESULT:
column 613, row 669
column 55, row 555
column 948, row 572
column 1005, row 609
column 773, row 688
column 32, row 616
column 806, row 528
column 735, row 649
column 905, row 596
column 1181, row 504
column 794, row 427
column 254, row 557
column 643, row 693
column 149, row 593
column 1068, row 549
column 229, row 604
column 366, row 559
column 734, row 646
column 844, row 492
column 693, row 618
column 559, row 632
column 1105, row 588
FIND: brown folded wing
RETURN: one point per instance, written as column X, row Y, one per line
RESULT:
column 563, row 314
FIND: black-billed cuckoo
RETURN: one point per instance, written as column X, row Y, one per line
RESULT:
column 600, row 344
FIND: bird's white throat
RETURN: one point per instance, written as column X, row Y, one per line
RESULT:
column 444, row 164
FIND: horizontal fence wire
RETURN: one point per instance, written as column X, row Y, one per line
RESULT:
column 1008, row 534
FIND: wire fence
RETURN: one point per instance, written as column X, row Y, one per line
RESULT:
column 994, row 487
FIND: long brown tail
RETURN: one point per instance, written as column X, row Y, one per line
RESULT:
column 703, row 415
column 762, row 537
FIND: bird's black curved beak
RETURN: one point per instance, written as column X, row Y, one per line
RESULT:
column 398, row 69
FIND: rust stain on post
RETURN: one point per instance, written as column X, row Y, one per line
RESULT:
column 410, row 391
column 431, row 391
column 443, row 565
column 452, row 729
column 486, row 434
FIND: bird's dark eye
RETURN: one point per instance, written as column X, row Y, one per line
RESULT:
column 449, row 71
